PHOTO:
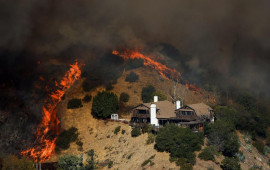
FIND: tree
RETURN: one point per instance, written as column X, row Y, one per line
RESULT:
column 70, row 162
column 104, row 104
column 148, row 93
column 230, row 164
column 124, row 97
column 132, row 77
column 179, row 142
column 11, row 162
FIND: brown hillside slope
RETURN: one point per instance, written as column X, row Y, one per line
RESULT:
column 98, row 134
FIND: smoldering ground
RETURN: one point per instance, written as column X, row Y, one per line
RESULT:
column 224, row 43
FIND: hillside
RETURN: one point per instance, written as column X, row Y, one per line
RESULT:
column 127, row 152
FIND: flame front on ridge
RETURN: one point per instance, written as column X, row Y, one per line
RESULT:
column 48, row 129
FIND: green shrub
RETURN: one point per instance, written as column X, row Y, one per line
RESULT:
column 104, row 104
column 124, row 97
column 179, row 142
column 65, row 138
column 87, row 98
column 74, row 104
column 148, row 93
column 136, row 131
column 230, row 163
column 132, row 77
column 117, row 129
column 208, row 153
column 150, row 139
column 240, row 155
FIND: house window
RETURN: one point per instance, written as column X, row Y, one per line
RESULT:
column 142, row 111
column 188, row 113
column 183, row 113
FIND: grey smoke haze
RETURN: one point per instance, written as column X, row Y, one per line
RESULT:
column 228, row 36
column 225, row 42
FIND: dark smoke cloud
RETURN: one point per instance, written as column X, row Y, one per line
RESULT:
column 224, row 42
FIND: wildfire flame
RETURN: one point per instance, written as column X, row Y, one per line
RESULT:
column 162, row 69
column 44, row 144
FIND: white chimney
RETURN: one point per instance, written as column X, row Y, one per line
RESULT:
column 153, row 115
column 155, row 99
column 178, row 104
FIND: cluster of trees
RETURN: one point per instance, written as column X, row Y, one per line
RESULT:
column 180, row 142
column 124, row 97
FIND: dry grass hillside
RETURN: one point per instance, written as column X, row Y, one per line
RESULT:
column 125, row 152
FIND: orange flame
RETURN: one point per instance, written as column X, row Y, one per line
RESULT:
column 161, row 68
column 44, row 144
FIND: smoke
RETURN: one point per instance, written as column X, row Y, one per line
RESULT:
column 216, row 42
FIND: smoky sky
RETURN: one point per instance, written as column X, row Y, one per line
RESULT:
column 224, row 43
column 229, row 38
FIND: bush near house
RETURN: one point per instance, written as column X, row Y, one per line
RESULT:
column 65, row 138
column 124, row 97
column 179, row 142
column 131, row 77
column 74, row 104
column 104, row 104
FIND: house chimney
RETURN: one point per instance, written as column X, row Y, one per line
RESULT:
column 178, row 104
column 153, row 115
column 155, row 99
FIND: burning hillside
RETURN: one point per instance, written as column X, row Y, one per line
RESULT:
column 46, row 134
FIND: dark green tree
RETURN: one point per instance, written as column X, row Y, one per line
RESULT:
column 104, row 104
